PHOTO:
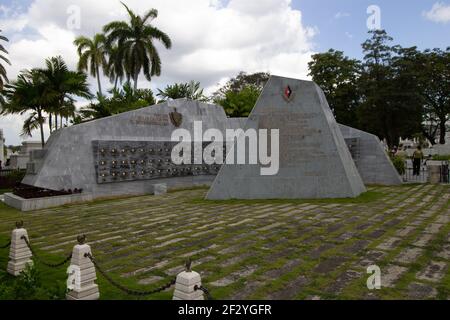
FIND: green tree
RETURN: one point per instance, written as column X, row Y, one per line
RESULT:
column 374, row 83
column 116, row 69
column 242, row 80
column 65, row 85
column 386, row 109
column 135, row 40
column 3, row 75
column 29, row 94
column 433, row 76
column 240, row 103
column 92, row 56
column 190, row 90
column 122, row 100
column 338, row 76
column 407, row 104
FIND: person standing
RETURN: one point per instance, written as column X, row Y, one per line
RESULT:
column 417, row 160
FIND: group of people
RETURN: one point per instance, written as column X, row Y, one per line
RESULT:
column 417, row 158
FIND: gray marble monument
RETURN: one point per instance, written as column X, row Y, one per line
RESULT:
column 372, row 162
column 314, row 161
column 125, row 154
column 130, row 153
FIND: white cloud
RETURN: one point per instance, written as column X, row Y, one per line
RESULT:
column 440, row 13
column 12, row 19
column 212, row 40
column 30, row 53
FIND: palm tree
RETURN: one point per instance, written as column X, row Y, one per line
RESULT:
column 136, row 42
column 190, row 90
column 64, row 84
column 95, row 110
column 122, row 100
column 3, row 77
column 92, row 53
column 28, row 94
column 116, row 69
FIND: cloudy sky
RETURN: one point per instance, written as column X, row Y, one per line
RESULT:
column 215, row 39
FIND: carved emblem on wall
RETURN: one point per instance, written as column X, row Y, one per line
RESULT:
column 288, row 94
column 176, row 118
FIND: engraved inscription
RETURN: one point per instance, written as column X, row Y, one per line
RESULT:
column 299, row 138
column 154, row 119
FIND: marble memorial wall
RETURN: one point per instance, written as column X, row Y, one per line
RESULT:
column 121, row 161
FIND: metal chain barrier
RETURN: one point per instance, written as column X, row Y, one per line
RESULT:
column 6, row 245
column 205, row 291
column 124, row 289
column 51, row 265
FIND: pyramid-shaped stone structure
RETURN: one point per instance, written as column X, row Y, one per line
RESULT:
column 314, row 160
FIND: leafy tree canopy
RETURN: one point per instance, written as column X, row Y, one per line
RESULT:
column 122, row 100
column 190, row 90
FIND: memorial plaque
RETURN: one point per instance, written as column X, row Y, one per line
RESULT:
column 121, row 161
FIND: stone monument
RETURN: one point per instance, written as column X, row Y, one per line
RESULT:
column 314, row 160
column 371, row 160
column 126, row 154
column 130, row 153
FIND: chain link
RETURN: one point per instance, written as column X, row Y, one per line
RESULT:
column 124, row 289
column 6, row 245
column 51, row 265
column 107, row 277
column 205, row 291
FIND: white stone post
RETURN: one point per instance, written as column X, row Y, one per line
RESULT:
column 81, row 275
column 19, row 253
column 159, row 189
column 185, row 286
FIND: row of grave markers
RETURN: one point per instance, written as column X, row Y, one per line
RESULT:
column 82, row 274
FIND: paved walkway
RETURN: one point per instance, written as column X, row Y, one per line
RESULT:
column 274, row 250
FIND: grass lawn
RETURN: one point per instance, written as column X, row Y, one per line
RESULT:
column 270, row 249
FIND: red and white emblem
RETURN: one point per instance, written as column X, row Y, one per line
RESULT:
column 288, row 94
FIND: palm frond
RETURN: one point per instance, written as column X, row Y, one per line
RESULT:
column 30, row 124
column 154, row 33
column 151, row 14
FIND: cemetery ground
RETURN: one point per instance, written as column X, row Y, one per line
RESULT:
column 270, row 249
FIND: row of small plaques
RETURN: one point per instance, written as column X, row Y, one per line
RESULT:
column 180, row 171
column 166, row 149
column 116, row 161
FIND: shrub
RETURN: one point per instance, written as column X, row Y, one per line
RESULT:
column 28, row 286
column 399, row 164
column 16, row 175
column 445, row 157
column 12, row 179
